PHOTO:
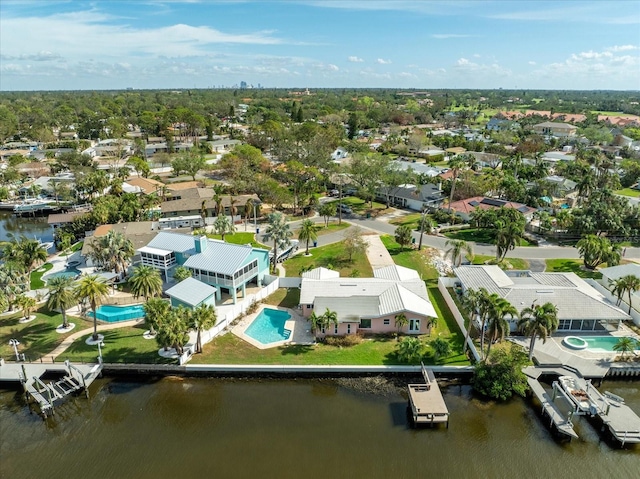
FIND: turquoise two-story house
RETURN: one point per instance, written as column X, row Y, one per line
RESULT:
column 227, row 267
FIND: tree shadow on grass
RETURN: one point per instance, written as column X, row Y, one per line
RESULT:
column 296, row 349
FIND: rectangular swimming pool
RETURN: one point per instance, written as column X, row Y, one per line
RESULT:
column 598, row 343
column 113, row 314
column 268, row 327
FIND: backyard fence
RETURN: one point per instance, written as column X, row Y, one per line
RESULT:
column 635, row 315
column 443, row 284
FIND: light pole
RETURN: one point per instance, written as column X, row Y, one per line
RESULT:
column 14, row 343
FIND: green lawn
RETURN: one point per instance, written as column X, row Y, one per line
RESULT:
column 240, row 238
column 36, row 276
column 284, row 297
column 332, row 256
column 479, row 235
column 358, row 205
column 322, row 230
column 571, row 266
column 409, row 258
column 412, row 221
column 515, row 263
column 629, row 192
column 124, row 345
column 38, row 337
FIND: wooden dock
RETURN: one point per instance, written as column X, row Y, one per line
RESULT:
column 68, row 379
column 426, row 401
column 562, row 424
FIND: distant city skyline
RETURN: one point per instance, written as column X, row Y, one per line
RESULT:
column 148, row 44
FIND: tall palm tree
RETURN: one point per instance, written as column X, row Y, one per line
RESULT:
column 538, row 320
column 329, row 317
column 203, row 317
column 30, row 253
column 625, row 345
column 498, row 326
column 457, row 250
column 174, row 329
column 308, row 232
column 401, row 321
column 426, row 223
column 507, row 237
column 233, row 209
column 94, row 289
column 471, row 300
column 145, row 281
column 278, row 231
column 155, row 310
column 315, row 320
column 61, row 296
column 628, row 284
column 455, row 164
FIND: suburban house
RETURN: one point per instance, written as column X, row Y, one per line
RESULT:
column 191, row 293
column 580, row 306
column 613, row 273
column 417, row 198
column 223, row 144
column 194, row 206
column 56, row 220
column 464, row 208
column 561, row 187
column 560, row 130
column 226, row 266
column 147, row 186
column 368, row 305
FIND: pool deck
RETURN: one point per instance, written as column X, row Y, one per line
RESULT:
column 299, row 327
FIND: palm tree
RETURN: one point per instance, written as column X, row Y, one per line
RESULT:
column 455, row 164
column 595, row 250
column 508, row 236
column 174, row 329
column 61, row 296
column 457, row 250
column 145, row 281
column 471, row 300
column 426, row 222
column 498, row 326
column 94, row 289
column 625, row 345
column 181, row 273
column 233, row 209
column 538, row 320
column 330, row 317
column 29, row 253
column 26, row 303
column 628, row 284
column 203, row 317
column 316, row 321
column 409, row 350
column 440, row 348
column 278, row 231
column 308, row 232
column 223, row 226
column 155, row 310
column 403, row 235
column 401, row 321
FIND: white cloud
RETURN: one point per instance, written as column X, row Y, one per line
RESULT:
column 332, row 67
column 623, row 48
column 532, row 62
column 355, row 59
column 382, row 61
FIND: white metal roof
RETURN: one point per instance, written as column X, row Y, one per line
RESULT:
column 615, row 272
column 158, row 251
column 396, row 273
column 191, row 291
column 321, row 273
column 220, row 257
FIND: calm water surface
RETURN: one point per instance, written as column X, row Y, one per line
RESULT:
column 31, row 227
column 293, row 428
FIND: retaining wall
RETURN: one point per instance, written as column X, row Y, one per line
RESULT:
column 443, row 284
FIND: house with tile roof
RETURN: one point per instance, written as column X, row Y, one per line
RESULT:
column 464, row 208
column 560, row 130
column 580, row 306
column 227, row 267
column 192, row 205
column 368, row 305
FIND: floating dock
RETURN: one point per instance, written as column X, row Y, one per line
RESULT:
column 68, row 378
column 426, row 401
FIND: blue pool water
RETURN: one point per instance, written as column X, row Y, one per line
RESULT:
column 603, row 343
column 67, row 273
column 268, row 327
column 113, row 314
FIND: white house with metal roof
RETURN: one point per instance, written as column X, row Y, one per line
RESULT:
column 191, row 293
column 226, row 266
column 368, row 305
column 613, row 273
column 580, row 306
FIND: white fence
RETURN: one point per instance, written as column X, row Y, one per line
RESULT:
column 635, row 315
column 443, row 284
column 289, row 282
column 227, row 313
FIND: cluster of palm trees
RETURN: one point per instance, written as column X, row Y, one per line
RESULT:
column 113, row 252
column 323, row 321
column 492, row 311
column 20, row 256
column 627, row 284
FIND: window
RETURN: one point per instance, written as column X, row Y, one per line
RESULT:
column 365, row 324
column 309, row 306
column 414, row 325
column 349, row 328
column 335, row 329
column 322, row 329
column 387, row 321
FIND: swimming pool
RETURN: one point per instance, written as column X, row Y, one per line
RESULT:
column 594, row 343
column 268, row 327
column 113, row 314
column 67, row 273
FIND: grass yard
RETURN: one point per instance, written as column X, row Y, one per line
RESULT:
column 629, row 192
column 240, row 238
column 413, row 259
column 330, row 256
column 322, row 230
column 284, row 297
column 478, row 235
column 412, row 221
column 38, row 337
column 515, row 263
column 360, row 206
column 36, row 276
column 571, row 266
column 124, row 345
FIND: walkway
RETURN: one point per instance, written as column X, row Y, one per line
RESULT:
column 377, row 254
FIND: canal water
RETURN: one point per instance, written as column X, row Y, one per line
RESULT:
column 309, row 428
column 32, row 227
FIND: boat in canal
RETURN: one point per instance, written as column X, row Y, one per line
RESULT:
column 578, row 395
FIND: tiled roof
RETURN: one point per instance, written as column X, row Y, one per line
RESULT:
column 191, row 291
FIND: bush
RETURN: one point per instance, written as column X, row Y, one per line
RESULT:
column 443, row 216
column 501, row 376
column 343, row 341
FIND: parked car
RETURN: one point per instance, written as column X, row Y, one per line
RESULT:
column 350, row 191
column 334, row 193
column 345, row 209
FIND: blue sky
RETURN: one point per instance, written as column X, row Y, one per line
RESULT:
column 67, row 45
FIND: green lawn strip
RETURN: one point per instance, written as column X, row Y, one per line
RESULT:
column 479, row 235
column 409, row 258
column 629, row 192
column 412, row 221
column 322, row 230
column 359, row 205
column 38, row 337
column 36, row 276
column 515, row 263
column 240, row 238
column 123, row 345
column 284, row 297
column 571, row 266
column 330, row 255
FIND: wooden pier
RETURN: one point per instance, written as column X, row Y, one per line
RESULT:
column 427, row 404
column 68, row 379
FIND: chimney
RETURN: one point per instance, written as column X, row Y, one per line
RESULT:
column 201, row 243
